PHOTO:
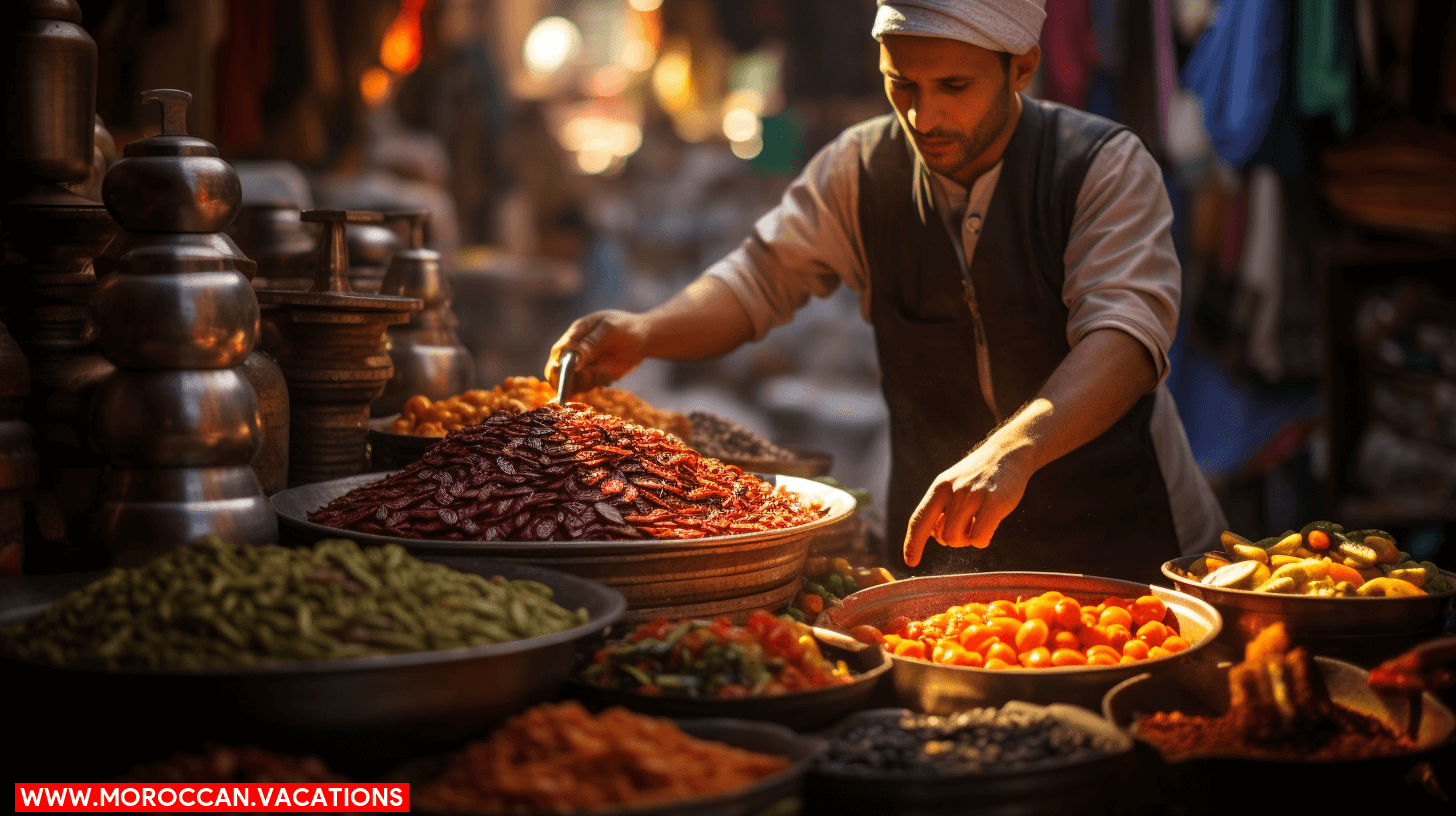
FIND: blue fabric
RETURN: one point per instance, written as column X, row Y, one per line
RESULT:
column 1235, row 70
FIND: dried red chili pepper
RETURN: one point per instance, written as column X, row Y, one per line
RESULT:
column 560, row 474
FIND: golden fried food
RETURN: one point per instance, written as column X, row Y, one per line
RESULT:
column 516, row 395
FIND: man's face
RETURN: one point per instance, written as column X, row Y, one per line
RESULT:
column 953, row 98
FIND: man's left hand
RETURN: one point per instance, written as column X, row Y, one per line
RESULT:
column 966, row 503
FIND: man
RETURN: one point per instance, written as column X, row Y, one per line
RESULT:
column 1014, row 259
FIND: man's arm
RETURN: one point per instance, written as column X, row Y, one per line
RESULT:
column 1093, row 387
column 1122, row 287
column 804, row 247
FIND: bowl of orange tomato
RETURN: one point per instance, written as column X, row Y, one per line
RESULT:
column 962, row 641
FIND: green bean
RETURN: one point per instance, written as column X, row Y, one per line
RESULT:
column 215, row 604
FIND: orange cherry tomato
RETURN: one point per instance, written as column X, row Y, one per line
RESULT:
column 1004, row 653
column 1175, row 644
column 1042, row 610
column 937, row 621
column 1158, row 651
column 910, row 648
column 997, row 663
column 1147, row 609
column 978, row 609
column 1005, row 628
column 1101, row 659
column 1318, row 540
column 1066, row 640
column 1031, row 635
column 891, row 641
column 864, row 633
column 1068, row 657
column 1094, row 636
column 975, row 637
column 1115, row 615
column 1069, row 614
column 1104, row 650
column 1340, row 572
column 1135, row 649
column 1117, row 635
column 1052, row 595
column 1125, row 659
column 913, row 630
column 897, row 626
column 965, row 657
column 1002, row 609
column 939, row 655
column 1153, row 633
column 1038, row 658
column 986, row 645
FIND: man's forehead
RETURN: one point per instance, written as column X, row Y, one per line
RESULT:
column 903, row 54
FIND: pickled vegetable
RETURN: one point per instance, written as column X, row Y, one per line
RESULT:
column 1321, row 560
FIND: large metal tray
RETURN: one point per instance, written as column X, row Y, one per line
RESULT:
column 1362, row 630
column 1085, row 786
column 1227, row 784
column 939, row 689
column 422, row 697
column 673, row 578
column 758, row 798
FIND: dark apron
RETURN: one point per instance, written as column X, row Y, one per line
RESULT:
column 1102, row 509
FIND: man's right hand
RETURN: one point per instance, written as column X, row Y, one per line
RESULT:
column 608, row 345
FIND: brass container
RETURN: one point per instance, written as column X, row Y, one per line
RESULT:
column 179, row 422
column 428, row 357
column 333, row 356
column 50, row 93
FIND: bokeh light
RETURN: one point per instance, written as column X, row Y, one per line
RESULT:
column 552, row 43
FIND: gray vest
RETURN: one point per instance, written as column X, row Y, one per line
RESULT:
column 1102, row 509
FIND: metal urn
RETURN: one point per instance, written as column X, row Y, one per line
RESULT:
column 428, row 356
column 370, row 248
column 179, row 422
column 333, row 356
column 50, row 234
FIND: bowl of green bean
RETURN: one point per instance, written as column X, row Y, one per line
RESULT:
column 217, row 639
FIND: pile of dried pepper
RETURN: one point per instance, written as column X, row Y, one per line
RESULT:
column 561, row 474
column 698, row 658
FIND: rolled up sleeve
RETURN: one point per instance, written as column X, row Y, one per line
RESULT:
column 1122, row 271
column 806, row 246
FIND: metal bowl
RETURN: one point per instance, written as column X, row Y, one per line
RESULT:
column 939, row 689
column 753, row 800
column 1362, row 630
column 426, row 697
column 670, row 578
column 799, row 710
column 1053, row 788
column 1224, row 784
column 391, row 451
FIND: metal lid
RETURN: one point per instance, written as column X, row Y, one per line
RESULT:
column 173, row 140
column 330, row 290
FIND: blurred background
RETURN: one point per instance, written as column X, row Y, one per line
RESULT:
column 586, row 154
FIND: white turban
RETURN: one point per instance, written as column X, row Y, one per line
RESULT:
column 999, row 25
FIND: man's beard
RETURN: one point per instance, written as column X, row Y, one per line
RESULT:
column 969, row 148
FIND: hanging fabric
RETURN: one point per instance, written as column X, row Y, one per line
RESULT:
column 1069, row 51
column 1324, row 69
column 1235, row 70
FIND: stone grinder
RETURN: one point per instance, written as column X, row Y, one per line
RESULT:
column 333, row 356
column 428, row 356
column 179, row 422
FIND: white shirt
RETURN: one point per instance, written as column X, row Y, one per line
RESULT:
column 1121, row 272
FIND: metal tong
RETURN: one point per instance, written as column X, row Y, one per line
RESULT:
column 565, row 373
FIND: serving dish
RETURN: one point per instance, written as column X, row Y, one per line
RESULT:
column 1225, row 783
column 674, row 578
column 1362, row 630
column 425, row 697
column 1052, row 787
column 800, row 710
column 936, row 688
column 752, row 800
